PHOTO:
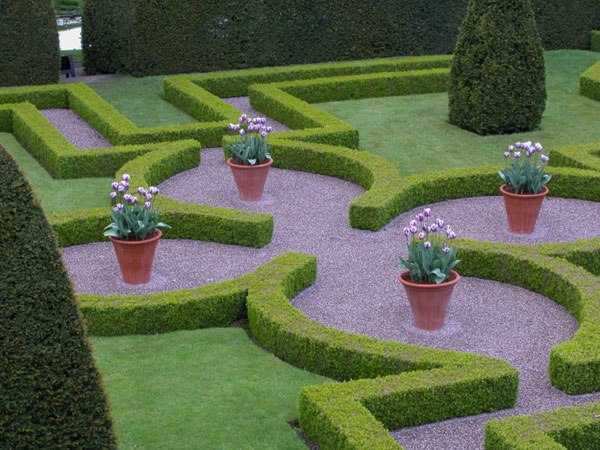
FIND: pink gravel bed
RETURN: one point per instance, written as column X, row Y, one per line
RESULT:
column 356, row 289
column 243, row 104
column 77, row 131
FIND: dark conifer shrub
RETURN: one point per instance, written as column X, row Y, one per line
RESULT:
column 28, row 43
column 51, row 394
column 497, row 80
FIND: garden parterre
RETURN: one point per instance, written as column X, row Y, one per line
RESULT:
column 469, row 383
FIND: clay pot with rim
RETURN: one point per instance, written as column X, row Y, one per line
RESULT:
column 250, row 180
column 429, row 302
column 522, row 209
column 136, row 258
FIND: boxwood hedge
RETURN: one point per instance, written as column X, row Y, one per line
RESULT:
column 589, row 82
column 561, row 429
column 189, row 221
column 51, row 392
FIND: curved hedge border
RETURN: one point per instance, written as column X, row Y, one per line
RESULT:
column 395, row 384
column 348, row 416
column 561, row 429
column 189, row 221
column 589, row 82
column 580, row 156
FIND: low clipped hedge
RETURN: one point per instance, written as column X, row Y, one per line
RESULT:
column 578, row 156
column 214, row 305
column 589, row 82
column 412, row 385
column 52, row 394
column 19, row 114
column 235, row 83
column 595, row 40
column 576, row 427
column 189, row 221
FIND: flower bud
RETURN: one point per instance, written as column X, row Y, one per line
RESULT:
column 406, row 231
column 427, row 245
column 421, row 236
column 113, row 195
column 147, row 205
column 125, row 177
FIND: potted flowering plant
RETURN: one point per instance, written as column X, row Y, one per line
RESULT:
column 524, row 187
column 249, row 157
column 427, row 274
column 134, row 231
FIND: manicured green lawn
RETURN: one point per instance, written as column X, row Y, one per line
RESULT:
column 413, row 133
column 140, row 99
column 58, row 195
column 203, row 389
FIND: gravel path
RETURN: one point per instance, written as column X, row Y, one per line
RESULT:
column 77, row 131
column 243, row 104
column 356, row 289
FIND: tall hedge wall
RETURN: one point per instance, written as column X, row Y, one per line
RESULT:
column 177, row 36
column 51, row 394
column 28, row 43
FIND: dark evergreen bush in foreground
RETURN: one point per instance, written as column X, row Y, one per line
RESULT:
column 51, row 394
column 497, row 79
column 28, row 43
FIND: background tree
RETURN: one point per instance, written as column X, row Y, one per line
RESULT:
column 29, row 52
column 497, row 80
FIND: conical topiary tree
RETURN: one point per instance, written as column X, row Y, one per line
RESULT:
column 497, row 80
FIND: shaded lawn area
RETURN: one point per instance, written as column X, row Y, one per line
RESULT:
column 412, row 131
column 211, row 389
column 140, row 100
column 58, row 195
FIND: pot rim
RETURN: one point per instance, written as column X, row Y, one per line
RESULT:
column 545, row 190
column 230, row 163
column 157, row 236
column 450, row 282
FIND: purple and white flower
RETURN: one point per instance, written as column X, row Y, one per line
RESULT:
column 406, row 231
column 147, row 205
column 154, row 190
column 113, row 195
column 421, row 235
column 427, row 245
column 427, row 212
column 115, row 185
column 545, row 158
column 125, row 177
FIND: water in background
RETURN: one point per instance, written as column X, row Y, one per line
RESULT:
column 70, row 39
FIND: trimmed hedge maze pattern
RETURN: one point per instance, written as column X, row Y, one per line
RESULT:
column 385, row 384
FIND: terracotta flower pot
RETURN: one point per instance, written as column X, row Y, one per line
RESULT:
column 136, row 258
column 250, row 180
column 522, row 209
column 429, row 302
